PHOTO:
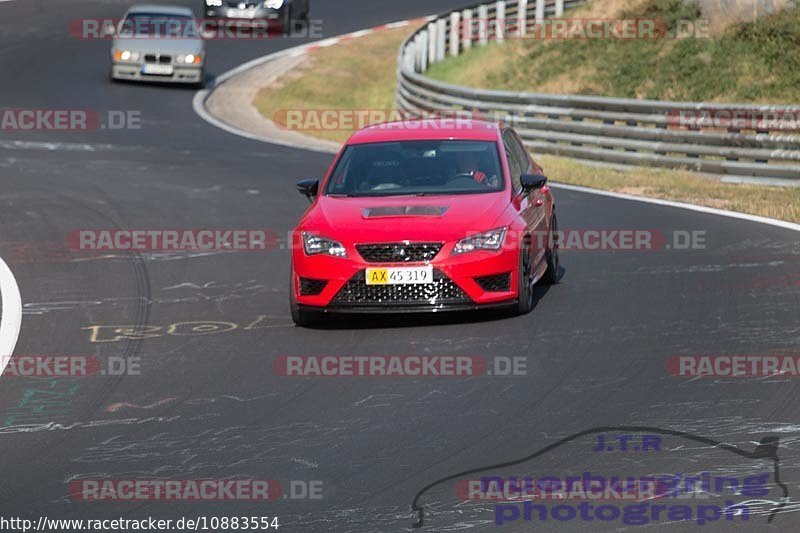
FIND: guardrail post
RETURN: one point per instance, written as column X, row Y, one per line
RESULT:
column 466, row 40
column 559, row 8
column 539, row 11
column 441, row 38
column 455, row 32
column 500, row 21
column 418, row 52
column 431, row 43
column 423, row 64
column 409, row 55
column 483, row 25
column 522, row 18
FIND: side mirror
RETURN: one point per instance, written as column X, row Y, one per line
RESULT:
column 308, row 188
column 532, row 181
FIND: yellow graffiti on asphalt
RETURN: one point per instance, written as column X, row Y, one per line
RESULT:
column 101, row 333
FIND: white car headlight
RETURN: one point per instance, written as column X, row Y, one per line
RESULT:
column 214, row 3
column 126, row 55
column 190, row 59
column 274, row 4
column 491, row 240
column 314, row 244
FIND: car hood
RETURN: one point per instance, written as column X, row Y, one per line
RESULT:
column 161, row 46
column 428, row 218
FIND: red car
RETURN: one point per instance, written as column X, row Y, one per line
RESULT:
column 430, row 215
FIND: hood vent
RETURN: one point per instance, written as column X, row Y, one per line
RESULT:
column 404, row 211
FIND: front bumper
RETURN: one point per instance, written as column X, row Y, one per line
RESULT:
column 181, row 73
column 395, row 309
column 460, row 283
column 229, row 13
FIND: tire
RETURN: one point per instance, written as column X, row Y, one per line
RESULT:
column 550, row 276
column 524, row 285
column 202, row 83
column 300, row 317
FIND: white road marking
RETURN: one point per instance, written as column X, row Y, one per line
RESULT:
column 11, row 318
column 691, row 207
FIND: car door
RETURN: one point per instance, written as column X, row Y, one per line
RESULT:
column 534, row 205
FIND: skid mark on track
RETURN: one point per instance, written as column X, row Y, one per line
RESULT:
column 114, row 407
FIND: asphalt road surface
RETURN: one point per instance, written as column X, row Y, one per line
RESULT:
column 204, row 329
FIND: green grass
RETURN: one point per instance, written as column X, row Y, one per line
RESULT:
column 359, row 74
column 746, row 62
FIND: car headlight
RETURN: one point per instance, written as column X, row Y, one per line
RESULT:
column 126, row 55
column 190, row 59
column 491, row 240
column 274, row 4
column 214, row 3
column 314, row 244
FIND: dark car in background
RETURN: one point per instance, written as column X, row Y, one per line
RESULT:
column 282, row 12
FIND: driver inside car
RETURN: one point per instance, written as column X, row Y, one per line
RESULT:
column 470, row 163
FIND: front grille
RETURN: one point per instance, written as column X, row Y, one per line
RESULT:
column 311, row 287
column 158, row 58
column 442, row 291
column 398, row 252
column 495, row 283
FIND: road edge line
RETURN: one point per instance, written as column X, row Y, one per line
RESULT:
column 11, row 317
column 681, row 205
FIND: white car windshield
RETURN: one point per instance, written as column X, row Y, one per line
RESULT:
column 159, row 25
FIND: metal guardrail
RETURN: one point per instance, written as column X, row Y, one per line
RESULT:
column 615, row 130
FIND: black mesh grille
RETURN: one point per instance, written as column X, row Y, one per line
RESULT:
column 441, row 291
column 311, row 287
column 398, row 252
column 158, row 58
column 495, row 283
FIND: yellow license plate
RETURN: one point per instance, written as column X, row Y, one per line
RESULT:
column 400, row 275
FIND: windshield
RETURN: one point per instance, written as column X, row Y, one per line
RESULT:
column 159, row 25
column 417, row 168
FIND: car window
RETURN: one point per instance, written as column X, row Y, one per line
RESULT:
column 513, row 162
column 520, row 151
column 417, row 167
column 158, row 25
